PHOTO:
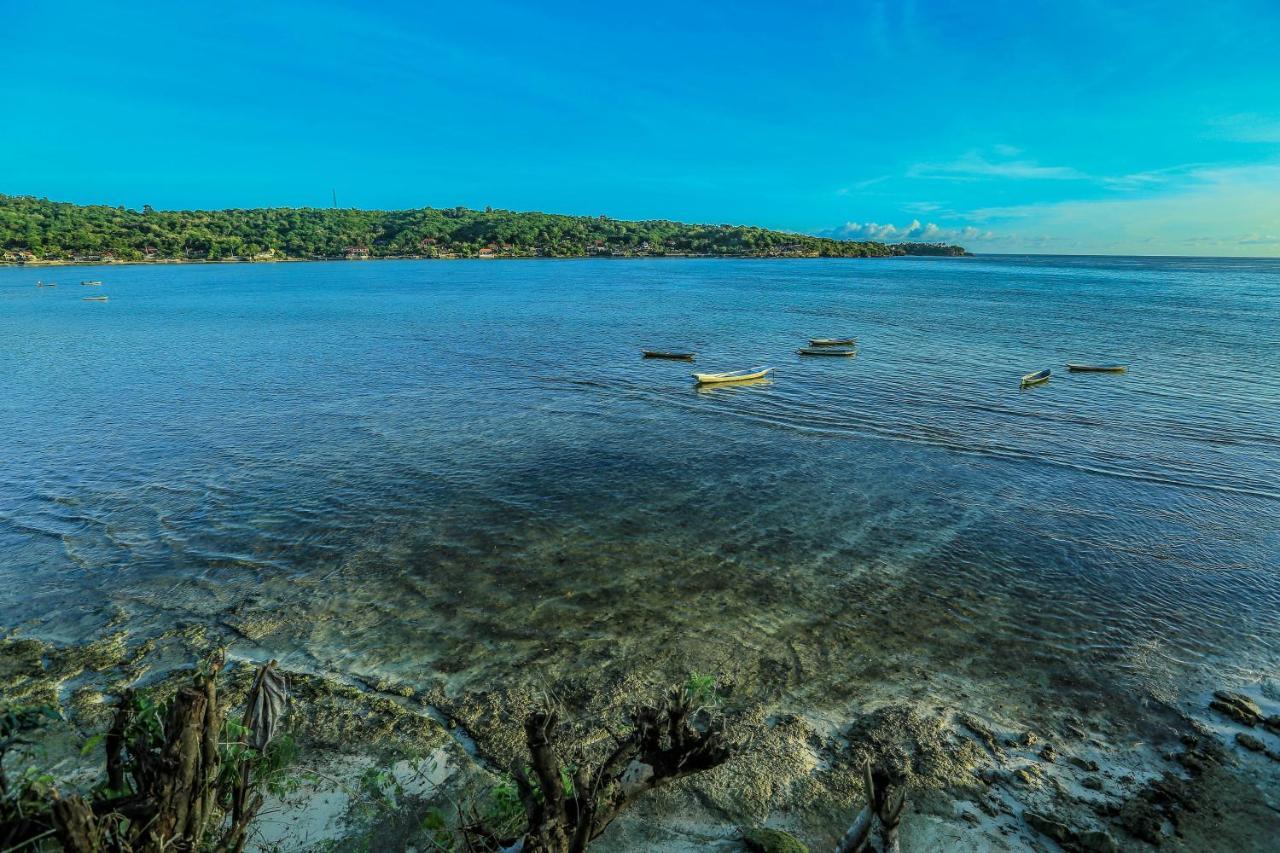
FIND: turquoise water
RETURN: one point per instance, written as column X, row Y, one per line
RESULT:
column 457, row 471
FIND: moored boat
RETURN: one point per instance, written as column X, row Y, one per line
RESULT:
column 93, row 298
column 1095, row 368
column 832, row 342
column 1036, row 378
column 732, row 376
column 825, row 351
column 675, row 356
column 91, row 283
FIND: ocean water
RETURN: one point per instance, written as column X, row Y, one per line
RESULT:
column 463, row 474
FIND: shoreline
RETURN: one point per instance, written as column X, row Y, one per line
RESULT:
column 194, row 261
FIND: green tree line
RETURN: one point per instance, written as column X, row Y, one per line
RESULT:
column 39, row 229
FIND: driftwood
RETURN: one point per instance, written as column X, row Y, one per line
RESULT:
column 666, row 742
column 163, row 792
column 885, row 802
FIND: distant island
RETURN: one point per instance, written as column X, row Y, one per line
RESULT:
column 34, row 230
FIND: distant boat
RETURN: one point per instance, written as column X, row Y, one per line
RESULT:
column 91, row 283
column 1036, row 378
column 94, row 298
column 46, row 284
column 733, row 376
column 678, row 356
column 832, row 342
column 1095, row 368
column 825, row 351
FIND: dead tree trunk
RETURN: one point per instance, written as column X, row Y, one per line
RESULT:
column 666, row 743
column 174, row 802
column 885, row 802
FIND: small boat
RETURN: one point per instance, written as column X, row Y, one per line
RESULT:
column 832, row 342
column 677, row 356
column 1095, row 368
column 93, row 298
column 825, row 351
column 727, row 387
column 91, row 284
column 732, row 376
column 1036, row 378
column 46, row 284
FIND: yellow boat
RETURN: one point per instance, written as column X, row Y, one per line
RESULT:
column 1037, row 377
column 732, row 376
column 726, row 387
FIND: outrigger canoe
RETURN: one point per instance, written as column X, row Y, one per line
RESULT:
column 1036, row 378
column 832, row 342
column 94, row 298
column 825, row 351
column 733, row 376
column 677, row 356
column 1095, row 368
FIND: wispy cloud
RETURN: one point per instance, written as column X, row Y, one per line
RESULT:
column 1247, row 127
column 1227, row 210
column 975, row 165
column 913, row 231
column 1005, row 162
column 862, row 185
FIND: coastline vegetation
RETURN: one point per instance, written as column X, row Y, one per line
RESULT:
column 34, row 230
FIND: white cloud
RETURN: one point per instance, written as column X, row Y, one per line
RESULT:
column 912, row 232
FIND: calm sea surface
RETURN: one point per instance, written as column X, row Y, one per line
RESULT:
column 464, row 469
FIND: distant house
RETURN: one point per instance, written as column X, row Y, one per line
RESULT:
column 356, row 253
column 486, row 252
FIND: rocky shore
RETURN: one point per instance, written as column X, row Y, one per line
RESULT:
column 386, row 764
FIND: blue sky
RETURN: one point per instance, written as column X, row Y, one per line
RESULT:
column 1087, row 126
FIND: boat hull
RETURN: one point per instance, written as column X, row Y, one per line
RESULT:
column 832, row 342
column 836, row 352
column 670, row 356
column 740, row 376
column 1096, row 368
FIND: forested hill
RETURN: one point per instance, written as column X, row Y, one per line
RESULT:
column 34, row 229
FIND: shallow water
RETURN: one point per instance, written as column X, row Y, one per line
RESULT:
column 463, row 471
